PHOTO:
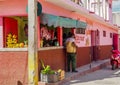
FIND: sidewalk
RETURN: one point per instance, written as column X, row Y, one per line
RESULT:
column 81, row 71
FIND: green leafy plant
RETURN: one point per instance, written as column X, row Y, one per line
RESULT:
column 46, row 69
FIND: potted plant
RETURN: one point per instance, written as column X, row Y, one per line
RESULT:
column 47, row 74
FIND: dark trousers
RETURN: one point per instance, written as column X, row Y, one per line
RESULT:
column 71, row 59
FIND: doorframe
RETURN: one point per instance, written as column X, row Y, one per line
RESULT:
column 95, row 42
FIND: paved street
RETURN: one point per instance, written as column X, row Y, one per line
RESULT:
column 105, row 76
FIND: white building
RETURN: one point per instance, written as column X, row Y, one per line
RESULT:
column 101, row 8
column 116, row 12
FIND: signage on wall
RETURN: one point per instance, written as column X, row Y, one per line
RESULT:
column 82, row 40
column 39, row 8
column 79, row 38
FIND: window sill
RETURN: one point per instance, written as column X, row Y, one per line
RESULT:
column 26, row 49
column 50, row 48
column 13, row 49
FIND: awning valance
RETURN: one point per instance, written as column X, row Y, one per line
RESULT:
column 66, row 22
column 81, row 24
column 52, row 20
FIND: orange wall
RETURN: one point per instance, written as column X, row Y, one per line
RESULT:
column 13, row 68
column 13, row 65
column 55, row 58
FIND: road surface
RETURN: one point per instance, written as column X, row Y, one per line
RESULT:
column 105, row 76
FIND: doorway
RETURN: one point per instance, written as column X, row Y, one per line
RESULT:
column 115, row 41
column 95, row 39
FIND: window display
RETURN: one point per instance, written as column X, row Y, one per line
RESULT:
column 15, row 32
column 48, row 36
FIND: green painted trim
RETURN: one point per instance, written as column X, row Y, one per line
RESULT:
column 39, row 10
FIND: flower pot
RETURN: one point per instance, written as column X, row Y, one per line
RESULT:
column 49, row 78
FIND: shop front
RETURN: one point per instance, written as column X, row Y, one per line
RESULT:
column 53, row 27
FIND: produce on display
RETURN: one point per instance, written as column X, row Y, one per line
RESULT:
column 12, row 42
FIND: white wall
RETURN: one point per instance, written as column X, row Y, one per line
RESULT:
column 116, row 18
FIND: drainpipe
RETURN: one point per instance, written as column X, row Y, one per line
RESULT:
column 32, row 43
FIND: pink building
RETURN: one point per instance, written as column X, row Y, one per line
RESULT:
column 95, row 36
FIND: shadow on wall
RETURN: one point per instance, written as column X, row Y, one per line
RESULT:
column 19, row 83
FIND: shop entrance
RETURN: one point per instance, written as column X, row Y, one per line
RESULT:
column 95, row 45
column 66, row 32
column 65, row 36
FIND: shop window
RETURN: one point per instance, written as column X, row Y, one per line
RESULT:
column 48, row 36
column 110, row 35
column 104, row 33
column 80, row 31
column 15, row 32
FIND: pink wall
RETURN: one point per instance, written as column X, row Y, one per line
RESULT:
column 19, row 8
column 55, row 10
column 59, row 11
column 13, row 7
column 1, row 21
column 104, row 40
column 1, row 32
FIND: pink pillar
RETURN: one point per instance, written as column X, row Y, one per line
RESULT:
column 38, row 25
column 1, row 21
column 73, row 30
column 115, row 41
column 1, row 32
column 52, row 34
column 59, row 35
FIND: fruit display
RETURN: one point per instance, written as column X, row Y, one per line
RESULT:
column 61, row 74
column 12, row 41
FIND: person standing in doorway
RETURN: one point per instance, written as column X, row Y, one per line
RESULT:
column 71, row 52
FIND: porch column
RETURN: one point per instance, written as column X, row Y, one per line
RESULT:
column 32, row 43
column 73, row 30
column 59, row 35
column 38, row 31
